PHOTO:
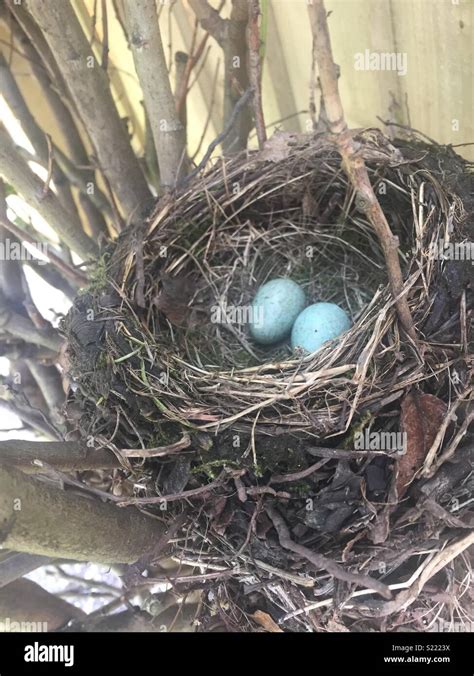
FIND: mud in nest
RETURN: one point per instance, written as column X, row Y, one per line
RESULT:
column 160, row 356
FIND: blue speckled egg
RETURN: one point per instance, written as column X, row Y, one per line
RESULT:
column 317, row 324
column 274, row 310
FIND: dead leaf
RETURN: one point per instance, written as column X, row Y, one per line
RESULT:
column 421, row 418
column 267, row 622
column 278, row 147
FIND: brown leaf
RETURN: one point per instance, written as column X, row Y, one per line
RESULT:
column 174, row 298
column 267, row 622
column 278, row 147
column 421, row 418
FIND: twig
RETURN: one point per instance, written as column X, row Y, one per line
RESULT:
column 296, row 476
column 321, row 562
column 347, row 453
column 75, row 275
column 172, row 497
column 16, row 171
column 354, row 164
column 105, row 34
column 90, row 91
column 255, row 70
column 238, row 106
column 209, row 111
column 168, row 133
column 158, row 451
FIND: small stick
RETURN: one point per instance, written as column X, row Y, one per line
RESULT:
column 321, row 562
column 235, row 113
column 255, row 70
column 353, row 163
column 76, row 275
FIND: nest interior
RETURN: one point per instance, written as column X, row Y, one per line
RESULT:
column 160, row 356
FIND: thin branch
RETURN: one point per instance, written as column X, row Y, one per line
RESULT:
column 21, row 327
column 35, row 134
column 231, row 36
column 354, row 165
column 210, row 20
column 31, row 418
column 90, row 91
column 67, row 456
column 50, row 385
column 321, row 562
column 255, row 70
column 66, row 270
column 16, row 171
column 168, row 132
column 92, row 200
column 181, row 61
column 105, row 33
column 241, row 103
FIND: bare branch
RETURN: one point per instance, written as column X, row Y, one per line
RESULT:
column 21, row 327
column 354, row 164
column 168, row 133
column 255, row 70
column 210, row 20
column 35, row 134
column 93, row 202
column 26, row 601
column 50, row 385
column 90, row 91
column 16, row 171
column 56, row 523
column 67, row 456
column 231, row 36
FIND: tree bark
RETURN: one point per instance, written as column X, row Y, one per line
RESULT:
column 67, row 456
column 16, row 171
column 27, row 603
column 231, row 36
column 89, row 89
column 39, row 519
column 21, row 327
column 144, row 37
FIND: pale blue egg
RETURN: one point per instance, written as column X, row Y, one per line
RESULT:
column 317, row 324
column 274, row 310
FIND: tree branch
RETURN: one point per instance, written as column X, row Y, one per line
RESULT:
column 40, row 519
column 94, row 203
column 67, row 456
column 89, row 88
column 36, row 136
column 21, row 327
column 144, row 37
column 67, row 226
column 353, row 163
column 26, row 601
column 231, row 36
column 210, row 20
column 255, row 70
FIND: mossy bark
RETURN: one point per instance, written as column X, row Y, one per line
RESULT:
column 38, row 518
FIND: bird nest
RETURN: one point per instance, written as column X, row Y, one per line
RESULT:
column 228, row 432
